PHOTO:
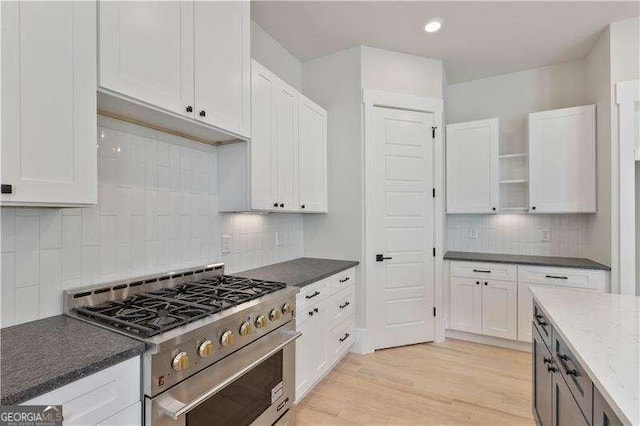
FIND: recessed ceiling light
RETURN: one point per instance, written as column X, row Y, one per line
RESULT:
column 433, row 25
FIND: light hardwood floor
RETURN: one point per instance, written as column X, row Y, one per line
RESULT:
column 451, row 383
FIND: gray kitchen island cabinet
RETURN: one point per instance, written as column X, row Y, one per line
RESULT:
column 564, row 393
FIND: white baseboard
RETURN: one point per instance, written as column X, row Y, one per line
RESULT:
column 362, row 345
column 489, row 340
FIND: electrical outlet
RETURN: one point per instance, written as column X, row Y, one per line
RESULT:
column 227, row 243
column 545, row 235
column 278, row 239
column 473, row 233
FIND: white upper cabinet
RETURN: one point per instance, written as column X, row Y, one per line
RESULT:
column 312, row 156
column 49, row 130
column 183, row 66
column 472, row 172
column 146, row 52
column 286, row 125
column 562, row 160
column 222, row 58
column 284, row 166
column 264, row 172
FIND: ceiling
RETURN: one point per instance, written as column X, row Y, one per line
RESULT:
column 478, row 39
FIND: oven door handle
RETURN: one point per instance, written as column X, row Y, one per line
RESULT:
column 174, row 408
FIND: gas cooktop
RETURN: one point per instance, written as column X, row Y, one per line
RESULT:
column 153, row 312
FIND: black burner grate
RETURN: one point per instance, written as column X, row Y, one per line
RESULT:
column 148, row 314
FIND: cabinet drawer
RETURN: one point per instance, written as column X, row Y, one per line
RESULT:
column 342, row 305
column 95, row 398
column 342, row 279
column 489, row 271
column 342, row 338
column 575, row 376
column 542, row 324
column 566, row 277
column 313, row 293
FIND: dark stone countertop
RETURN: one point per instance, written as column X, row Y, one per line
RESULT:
column 299, row 272
column 560, row 262
column 40, row 356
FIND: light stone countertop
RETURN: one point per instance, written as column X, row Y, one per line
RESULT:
column 603, row 332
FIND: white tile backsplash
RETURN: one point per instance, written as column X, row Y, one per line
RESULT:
column 518, row 234
column 157, row 210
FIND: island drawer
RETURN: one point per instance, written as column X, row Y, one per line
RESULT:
column 542, row 324
column 574, row 375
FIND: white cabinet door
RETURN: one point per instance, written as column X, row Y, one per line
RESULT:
column 562, row 160
column 146, row 52
column 466, row 305
column 222, row 61
column 303, row 382
column 130, row 416
column 525, row 312
column 318, row 341
column 312, row 156
column 286, row 124
column 49, row 125
column 499, row 305
column 264, row 173
column 472, row 169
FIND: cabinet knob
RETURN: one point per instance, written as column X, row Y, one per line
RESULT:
column 302, row 206
column 477, row 282
column 281, row 204
column 275, row 204
column 203, row 113
column 189, row 108
column 486, row 283
column 493, row 208
column 533, row 207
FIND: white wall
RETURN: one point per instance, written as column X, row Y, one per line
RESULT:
column 511, row 97
column 157, row 211
column 275, row 57
column 598, row 90
column 401, row 73
column 333, row 81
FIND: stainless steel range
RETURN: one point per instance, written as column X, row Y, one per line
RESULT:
column 220, row 349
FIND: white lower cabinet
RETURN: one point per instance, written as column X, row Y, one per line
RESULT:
column 327, row 329
column 481, row 304
column 110, row 396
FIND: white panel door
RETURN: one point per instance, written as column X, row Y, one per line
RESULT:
column 472, row 167
column 499, row 306
column 146, row 52
column 562, row 160
column 286, row 123
column 312, row 156
column 264, row 172
column 525, row 312
column 401, row 215
column 49, row 125
column 465, row 304
column 222, row 59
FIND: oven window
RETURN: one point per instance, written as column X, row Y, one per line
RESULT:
column 242, row 401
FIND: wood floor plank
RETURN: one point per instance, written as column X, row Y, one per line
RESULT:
column 450, row 383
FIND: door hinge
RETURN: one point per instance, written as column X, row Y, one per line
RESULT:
column 434, row 252
column 433, row 132
column 433, row 192
column 434, row 311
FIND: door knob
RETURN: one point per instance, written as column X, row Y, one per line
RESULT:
column 381, row 257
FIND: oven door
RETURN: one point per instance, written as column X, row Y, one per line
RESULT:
column 255, row 384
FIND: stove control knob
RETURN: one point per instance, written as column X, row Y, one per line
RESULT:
column 206, row 349
column 274, row 315
column 261, row 321
column 227, row 338
column 180, row 362
column 246, row 328
column 286, row 309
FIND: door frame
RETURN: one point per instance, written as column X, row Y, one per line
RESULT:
column 376, row 98
column 623, row 238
